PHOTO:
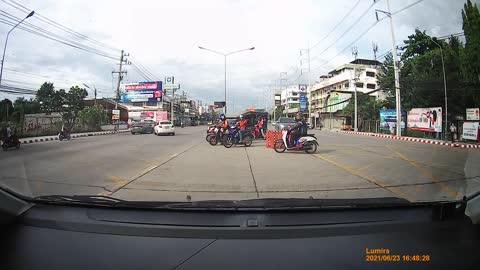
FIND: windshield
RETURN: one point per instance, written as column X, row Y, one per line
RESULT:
column 286, row 120
column 91, row 107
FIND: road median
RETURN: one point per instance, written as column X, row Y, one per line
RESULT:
column 74, row 135
column 413, row 139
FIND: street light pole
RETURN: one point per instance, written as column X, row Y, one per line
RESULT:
column 225, row 69
column 6, row 41
column 444, row 86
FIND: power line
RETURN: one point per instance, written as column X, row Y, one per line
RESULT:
column 140, row 72
column 348, row 29
column 336, row 26
column 367, row 30
column 58, row 25
column 39, row 33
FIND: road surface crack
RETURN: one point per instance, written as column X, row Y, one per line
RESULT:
column 253, row 175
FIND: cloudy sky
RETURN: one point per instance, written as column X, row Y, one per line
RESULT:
column 163, row 36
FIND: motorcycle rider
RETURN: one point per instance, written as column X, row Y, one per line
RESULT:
column 242, row 124
column 298, row 130
column 223, row 124
column 260, row 123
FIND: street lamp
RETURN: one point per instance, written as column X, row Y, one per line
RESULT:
column 6, row 41
column 444, row 86
column 225, row 57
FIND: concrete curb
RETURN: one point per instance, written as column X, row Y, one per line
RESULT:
column 410, row 139
column 55, row 138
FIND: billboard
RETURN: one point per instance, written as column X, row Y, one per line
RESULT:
column 219, row 104
column 470, row 130
column 303, row 103
column 388, row 119
column 473, row 114
column 142, row 92
column 425, row 119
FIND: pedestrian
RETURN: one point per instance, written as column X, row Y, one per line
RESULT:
column 453, row 131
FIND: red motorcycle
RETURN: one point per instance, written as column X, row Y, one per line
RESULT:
column 257, row 132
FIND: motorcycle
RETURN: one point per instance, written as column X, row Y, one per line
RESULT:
column 210, row 131
column 306, row 143
column 257, row 132
column 216, row 137
column 231, row 138
column 64, row 135
column 11, row 142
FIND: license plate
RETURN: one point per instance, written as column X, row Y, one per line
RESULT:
column 167, row 127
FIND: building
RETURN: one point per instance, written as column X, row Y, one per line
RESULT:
column 291, row 99
column 332, row 93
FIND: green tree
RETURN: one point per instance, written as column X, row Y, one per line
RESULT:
column 68, row 104
column 6, row 110
column 278, row 112
column 368, row 107
column 93, row 117
column 471, row 28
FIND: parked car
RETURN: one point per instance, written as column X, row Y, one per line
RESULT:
column 142, row 128
column 164, row 127
column 284, row 122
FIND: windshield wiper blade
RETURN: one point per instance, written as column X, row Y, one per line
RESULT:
column 81, row 199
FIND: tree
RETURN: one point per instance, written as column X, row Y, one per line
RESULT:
column 6, row 110
column 368, row 107
column 279, row 111
column 93, row 116
column 471, row 28
column 68, row 104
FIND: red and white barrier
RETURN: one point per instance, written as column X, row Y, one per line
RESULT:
column 411, row 139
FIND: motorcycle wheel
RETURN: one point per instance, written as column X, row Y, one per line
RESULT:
column 279, row 146
column 247, row 140
column 213, row 140
column 17, row 146
column 208, row 137
column 60, row 138
column 228, row 141
column 310, row 148
column 5, row 147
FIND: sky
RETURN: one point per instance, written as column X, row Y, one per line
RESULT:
column 163, row 36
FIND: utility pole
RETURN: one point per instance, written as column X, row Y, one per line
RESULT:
column 172, row 104
column 120, row 77
column 395, row 67
column 355, row 53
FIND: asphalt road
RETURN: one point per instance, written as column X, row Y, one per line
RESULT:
column 185, row 166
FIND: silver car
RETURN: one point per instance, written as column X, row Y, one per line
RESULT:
column 284, row 122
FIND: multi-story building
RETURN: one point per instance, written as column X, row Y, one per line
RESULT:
column 290, row 99
column 334, row 91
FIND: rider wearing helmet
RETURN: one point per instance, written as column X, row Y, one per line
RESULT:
column 242, row 123
column 297, row 130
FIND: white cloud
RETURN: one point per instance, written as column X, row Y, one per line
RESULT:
column 164, row 35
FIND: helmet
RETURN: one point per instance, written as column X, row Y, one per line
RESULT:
column 222, row 116
column 241, row 116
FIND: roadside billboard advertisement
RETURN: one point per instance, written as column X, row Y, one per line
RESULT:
column 388, row 119
column 425, row 119
column 142, row 92
column 473, row 114
column 219, row 104
column 470, row 130
column 303, row 103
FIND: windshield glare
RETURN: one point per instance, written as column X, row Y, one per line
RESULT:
column 239, row 100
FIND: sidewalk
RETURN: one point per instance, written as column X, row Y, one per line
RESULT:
column 30, row 140
column 421, row 140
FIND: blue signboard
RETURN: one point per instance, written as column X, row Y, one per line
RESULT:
column 388, row 119
column 303, row 103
